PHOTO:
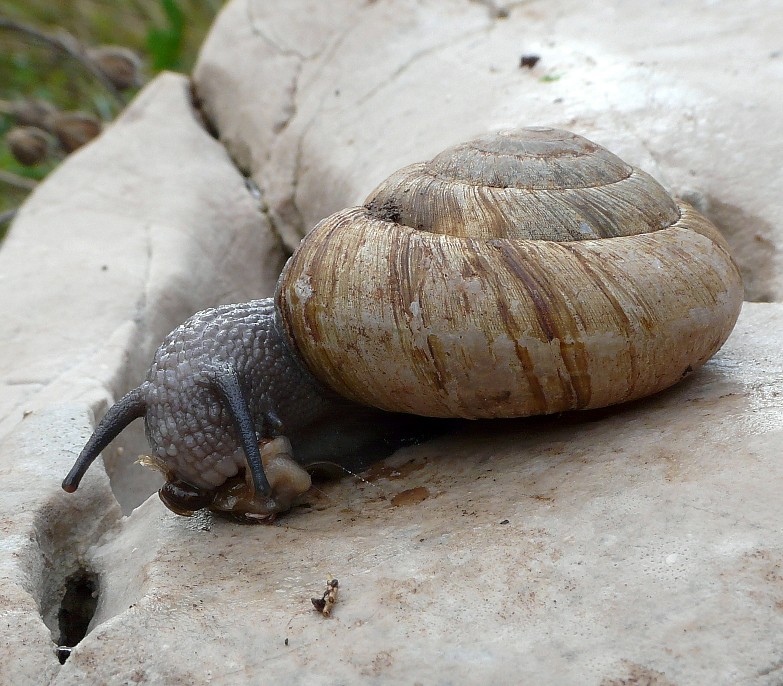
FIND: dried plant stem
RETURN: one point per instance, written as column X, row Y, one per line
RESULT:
column 17, row 181
column 68, row 45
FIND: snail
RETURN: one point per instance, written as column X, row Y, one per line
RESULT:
column 522, row 273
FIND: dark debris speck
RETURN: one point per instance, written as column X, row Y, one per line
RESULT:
column 528, row 61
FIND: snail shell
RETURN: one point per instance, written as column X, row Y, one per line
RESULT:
column 521, row 273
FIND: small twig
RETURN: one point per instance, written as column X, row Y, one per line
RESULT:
column 70, row 46
column 325, row 603
column 17, row 181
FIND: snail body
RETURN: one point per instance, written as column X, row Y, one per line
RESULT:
column 523, row 273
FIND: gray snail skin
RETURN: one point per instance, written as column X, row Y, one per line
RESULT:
column 221, row 389
column 522, row 273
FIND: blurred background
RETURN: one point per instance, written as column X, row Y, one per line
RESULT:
column 67, row 68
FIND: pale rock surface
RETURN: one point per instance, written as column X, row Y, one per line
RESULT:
column 640, row 543
column 636, row 545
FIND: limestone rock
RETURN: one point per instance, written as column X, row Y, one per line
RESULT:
column 638, row 544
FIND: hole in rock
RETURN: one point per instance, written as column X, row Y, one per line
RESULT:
column 77, row 608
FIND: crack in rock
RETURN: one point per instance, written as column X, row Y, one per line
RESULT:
column 257, row 194
column 416, row 57
column 253, row 23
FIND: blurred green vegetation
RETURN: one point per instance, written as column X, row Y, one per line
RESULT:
column 166, row 34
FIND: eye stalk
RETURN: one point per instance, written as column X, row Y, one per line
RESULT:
column 133, row 405
column 222, row 390
column 226, row 382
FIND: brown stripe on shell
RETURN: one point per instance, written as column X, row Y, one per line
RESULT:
column 549, row 307
column 623, row 322
column 506, row 321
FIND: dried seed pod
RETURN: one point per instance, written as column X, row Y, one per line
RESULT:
column 121, row 65
column 31, row 112
column 28, row 144
column 74, row 129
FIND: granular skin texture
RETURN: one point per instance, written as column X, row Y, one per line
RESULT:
column 188, row 426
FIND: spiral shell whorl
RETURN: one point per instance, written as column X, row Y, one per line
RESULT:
column 540, row 184
column 531, row 159
column 493, row 320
